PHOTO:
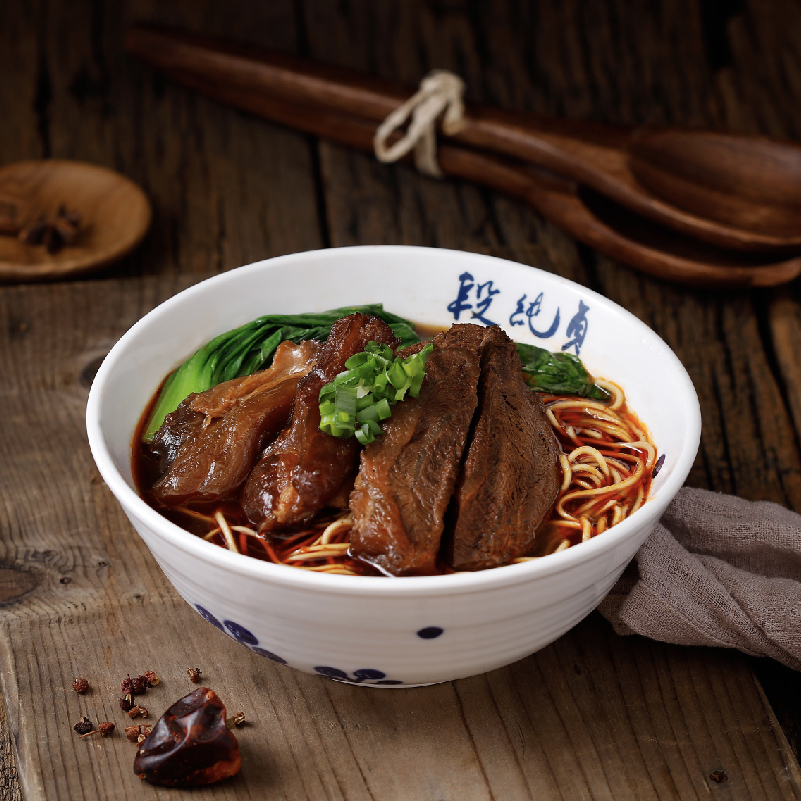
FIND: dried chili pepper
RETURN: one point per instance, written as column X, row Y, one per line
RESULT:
column 190, row 745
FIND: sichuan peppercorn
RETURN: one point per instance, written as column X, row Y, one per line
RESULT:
column 134, row 685
column 80, row 686
column 84, row 725
column 103, row 729
column 190, row 745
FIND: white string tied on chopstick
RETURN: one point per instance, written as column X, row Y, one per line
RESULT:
column 440, row 91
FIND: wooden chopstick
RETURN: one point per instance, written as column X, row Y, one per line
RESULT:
column 246, row 78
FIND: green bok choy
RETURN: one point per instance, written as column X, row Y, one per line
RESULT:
column 250, row 347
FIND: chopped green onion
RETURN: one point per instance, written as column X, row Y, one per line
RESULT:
column 368, row 432
column 397, row 375
column 383, row 409
column 345, row 402
column 355, row 402
column 338, row 417
column 368, row 413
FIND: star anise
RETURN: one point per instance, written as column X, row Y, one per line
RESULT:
column 54, row 232
column 9, row 217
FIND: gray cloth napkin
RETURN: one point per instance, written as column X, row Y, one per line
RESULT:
column 720, row 571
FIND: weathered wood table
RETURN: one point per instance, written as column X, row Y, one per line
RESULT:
column 593, row 716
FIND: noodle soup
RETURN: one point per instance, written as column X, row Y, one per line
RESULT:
column 606, row 464
column 372, row 630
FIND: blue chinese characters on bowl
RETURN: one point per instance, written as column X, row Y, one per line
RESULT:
column 473, row 304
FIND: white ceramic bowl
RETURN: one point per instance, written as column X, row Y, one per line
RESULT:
column 402, row 631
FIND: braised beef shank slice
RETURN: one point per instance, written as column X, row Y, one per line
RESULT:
column 511, row 474
column 407, row 475
column 305, row 469
column 211, row 442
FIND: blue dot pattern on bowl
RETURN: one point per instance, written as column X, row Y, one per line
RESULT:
column 240, row 634
column 269, row 655
column 368, row 674
column 206, row 615
column 371, row 675
column 333, row 673
column 360, row 676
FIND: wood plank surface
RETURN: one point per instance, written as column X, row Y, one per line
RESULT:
column 592, row 716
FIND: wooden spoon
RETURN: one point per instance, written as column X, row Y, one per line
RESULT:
column 735, row 192
column 590, row 217
column 753, row 183
column 622, row 235
column 114, row 216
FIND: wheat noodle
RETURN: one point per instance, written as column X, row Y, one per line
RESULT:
column 606, row 469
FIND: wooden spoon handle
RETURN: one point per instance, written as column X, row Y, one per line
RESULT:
column 555, row 198
column 590, row 153
column 562, row 146
column 648, row 248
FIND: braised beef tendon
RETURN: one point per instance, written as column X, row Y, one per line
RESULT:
column 407, row 475
column 511, row 474
column 178, row 428
column 207, row 447
column 305, row 469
